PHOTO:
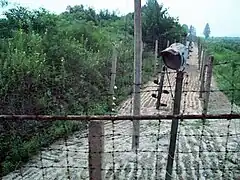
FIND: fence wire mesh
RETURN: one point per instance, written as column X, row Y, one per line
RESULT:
column 205, row 148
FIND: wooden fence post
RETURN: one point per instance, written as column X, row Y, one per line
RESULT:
column 137, row 72
column 113, row 78
column 208, row 84
column 201, row 59
column 200, row 49
column 96, row 149
column 174, row 127
column 156, row 57
column 202, row 75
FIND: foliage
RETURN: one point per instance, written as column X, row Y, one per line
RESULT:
column 3, row 3
column 158, row 25
column 192, row 34
column 60, row 64
column 185, row 27
column 207, row 31
column 227, row 50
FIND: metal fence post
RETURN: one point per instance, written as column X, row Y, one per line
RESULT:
column 174, row 127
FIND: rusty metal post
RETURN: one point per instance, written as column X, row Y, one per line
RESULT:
column 174, row 127
column 116, row 118
column 96, row 149
column 208, row 84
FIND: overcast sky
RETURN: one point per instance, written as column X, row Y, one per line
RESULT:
column 221, row 15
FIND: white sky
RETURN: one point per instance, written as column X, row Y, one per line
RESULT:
column 221, row 15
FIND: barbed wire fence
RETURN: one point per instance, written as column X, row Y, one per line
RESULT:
column 207, row 146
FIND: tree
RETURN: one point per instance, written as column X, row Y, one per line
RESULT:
column 207, row 31
column 185, row 27
column 158, row 24
column 3, row 3
column 192, row 34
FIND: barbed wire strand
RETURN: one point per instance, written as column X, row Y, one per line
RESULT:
column 113, row 146
column 157, row 147
column 67, row 151
column 225, row 164
column 20, row 163
column 200, row 149
column 181, row 125
column 170, row 85
column 41, row 161
column 196, row 91
column 65, row 125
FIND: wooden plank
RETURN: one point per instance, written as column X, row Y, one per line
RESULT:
column 96, row 149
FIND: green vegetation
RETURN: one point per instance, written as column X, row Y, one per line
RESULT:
column 60, row 64
column 207, row 31
column 227, row 50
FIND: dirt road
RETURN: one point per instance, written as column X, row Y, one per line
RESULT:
column 201, row 148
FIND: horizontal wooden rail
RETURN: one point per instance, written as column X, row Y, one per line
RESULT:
column 116, row 117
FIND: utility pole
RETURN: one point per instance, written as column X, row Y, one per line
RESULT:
column 137, row 71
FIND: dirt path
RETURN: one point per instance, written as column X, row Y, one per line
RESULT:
column 120, row 162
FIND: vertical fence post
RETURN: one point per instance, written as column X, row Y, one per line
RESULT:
column 201, row 60
column 198, row 44
column 200, row 51
column 168, row 43
column 137, row 71
column 208, row 84
column 160, row 87
column 113, row 78
column 174, row 127
column 202, row 75
column 156, row 57
column 96, row 148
